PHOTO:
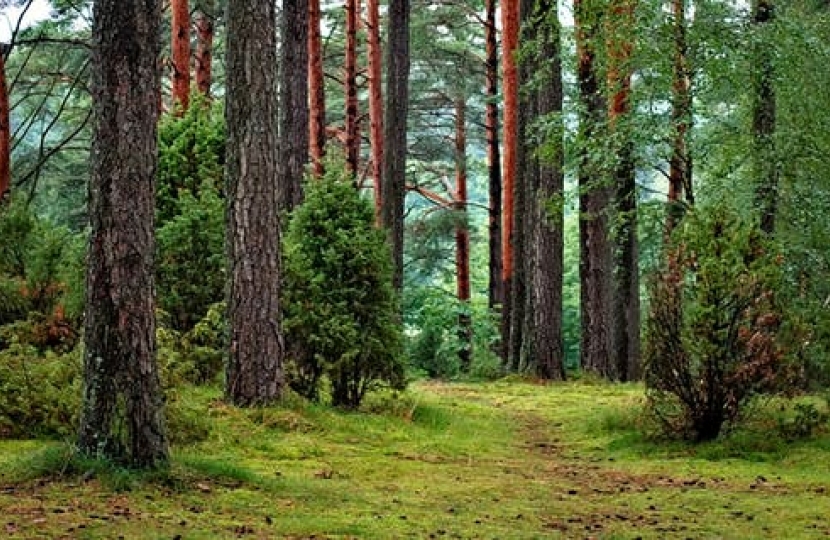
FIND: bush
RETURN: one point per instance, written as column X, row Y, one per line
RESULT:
column 341, row 311
column 711, row 330
column 41, row 277
column 190, row 221
column 190, row 268
column 191, row 156
column 40, row 395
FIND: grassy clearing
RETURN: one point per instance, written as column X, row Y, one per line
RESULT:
column 500, row 460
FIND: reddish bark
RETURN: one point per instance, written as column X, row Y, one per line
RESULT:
column 180, row 47
column 316, row 89
column 5, row 132
column 375, row 97
column 204, row 51
column 491, row 127
column 510, row 41
column 462, row 235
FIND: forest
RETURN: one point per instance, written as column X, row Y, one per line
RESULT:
column 408, row 269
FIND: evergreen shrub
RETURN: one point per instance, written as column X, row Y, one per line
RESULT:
column 712, row 340
column 341, row 311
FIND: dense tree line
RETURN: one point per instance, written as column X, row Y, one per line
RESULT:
column 553, row 195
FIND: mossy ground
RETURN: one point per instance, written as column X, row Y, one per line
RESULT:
column 500, row 460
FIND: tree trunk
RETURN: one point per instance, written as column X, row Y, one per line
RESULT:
column 316, row 89
column 462, row 237
column 595, row 255
column 495, row 297
column 294, row 110
column 254, row 371
column 352, row 122
column 510, row 39
column 547, row 203
column 204, row 46
column 375, row 99
column 680, row 163
column 122, row 415
column 520, row 353
column 397, row 103
column 180, row 47
column 5, row 131
column 763, row 116
column 626, row 307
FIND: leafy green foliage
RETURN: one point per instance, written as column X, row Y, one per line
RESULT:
column 434, row 337
column 191, row 155
column 41, row 280
column 712, row 327
column 39, row 393
column 190, row 266
column 341, row 311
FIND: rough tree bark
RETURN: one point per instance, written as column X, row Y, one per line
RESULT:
column 122, row 415
column 462, row 236
column 546, row 202
column 204, row 45
column 5, row 129
column 375, row 98
column 763, row 116
column 316, row 89
column 255, row 362
column 352, row 121
column 680, row 163
column 510, row 39
column 393, row 184
column 626, row 298
column 294, row 110
column 495, row 297
column 180, row 47
column 595, row 255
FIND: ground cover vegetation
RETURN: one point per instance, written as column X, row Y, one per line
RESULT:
column 509, row 459
column 575, row 285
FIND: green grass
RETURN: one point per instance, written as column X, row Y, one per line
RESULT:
column 507, row 460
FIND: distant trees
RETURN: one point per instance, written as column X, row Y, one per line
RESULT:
column 121, row 382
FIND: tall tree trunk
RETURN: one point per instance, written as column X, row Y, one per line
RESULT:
column 397, row 104
column 316, row 89
column 547, row 202
column 122, row 415
column 595, row 255
column 520, row 353
column 462, row 236
column 5, row 130
column 510, row 40
column 294, row 110
column 180, row 47
column 350, row 90
column 495, row 297
column 204, row 45
column 626, row 302
column 254, row 371
column 680, row 163
column 763, row 116
column 375, row 98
